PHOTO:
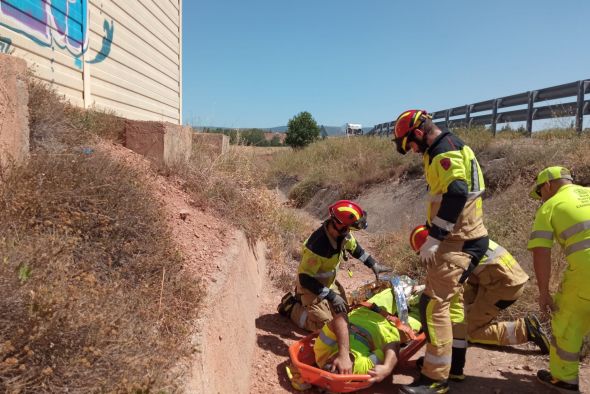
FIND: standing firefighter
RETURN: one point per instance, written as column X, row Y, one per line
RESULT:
column 496, row 283
column 565, row 216
column 319, row 296
column 457, row 238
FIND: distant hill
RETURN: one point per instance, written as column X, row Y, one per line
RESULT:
column 331, row 130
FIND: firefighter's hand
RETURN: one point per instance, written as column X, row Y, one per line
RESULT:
column 546, row 303
column 337, row 302
column 342, row 364
column 428, row 250
column 379, row 268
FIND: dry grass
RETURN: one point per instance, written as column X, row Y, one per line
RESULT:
column 83, row 252
column 510, row 162
column 231, row 185
column 345, row 164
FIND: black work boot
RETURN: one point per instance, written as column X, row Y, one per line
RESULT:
column 425, row 385
column 457, row 364
column 535, row 333
column 286, row 304
column 545, row 377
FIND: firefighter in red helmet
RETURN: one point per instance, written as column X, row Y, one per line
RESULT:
column 319, row 296
column 457, row 238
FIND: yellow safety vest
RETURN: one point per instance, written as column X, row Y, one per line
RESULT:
column 565, row 217
column 366, row 324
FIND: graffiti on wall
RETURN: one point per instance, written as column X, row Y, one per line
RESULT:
column 61, row 23
column 6, row 45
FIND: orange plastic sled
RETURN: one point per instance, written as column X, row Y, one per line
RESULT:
column 301, row 353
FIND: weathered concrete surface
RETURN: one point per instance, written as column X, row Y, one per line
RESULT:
column 215, row 143
column 226, row 330
column 14, row 111
column 161, row 142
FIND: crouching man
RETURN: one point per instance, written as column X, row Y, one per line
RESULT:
column 318, row 295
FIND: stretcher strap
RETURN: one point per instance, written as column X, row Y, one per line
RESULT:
column 391, row 318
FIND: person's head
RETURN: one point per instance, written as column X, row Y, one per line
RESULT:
column 549, row 181
column 346, row 215
column 418, row 237
column 414, row 130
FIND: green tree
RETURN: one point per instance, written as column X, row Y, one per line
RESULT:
column 302, row 130
column 253, row 137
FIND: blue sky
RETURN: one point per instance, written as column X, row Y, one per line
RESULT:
column 258, row 63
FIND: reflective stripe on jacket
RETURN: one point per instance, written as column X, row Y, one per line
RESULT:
column 447, row 160
column 499, row 268
column 369, row 334
column 565, row 217
column 320, row 257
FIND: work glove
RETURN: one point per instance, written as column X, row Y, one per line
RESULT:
column 337, row 302
column 428, row 250
column 380, row 268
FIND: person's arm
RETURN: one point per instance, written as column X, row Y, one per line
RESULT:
column 357, row 251
column 542, row 264
column 452, row 204
column 339, row 326
column 381, row 371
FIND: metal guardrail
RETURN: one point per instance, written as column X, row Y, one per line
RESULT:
column 577, row 108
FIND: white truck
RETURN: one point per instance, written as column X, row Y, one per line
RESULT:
column 353, row 129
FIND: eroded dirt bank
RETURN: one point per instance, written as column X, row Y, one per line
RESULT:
column 224, row 344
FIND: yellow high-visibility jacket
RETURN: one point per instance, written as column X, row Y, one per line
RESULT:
column 565, row 217
column 368, row 325
column 450, row 164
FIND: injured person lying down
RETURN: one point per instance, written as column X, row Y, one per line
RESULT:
column 367, row 340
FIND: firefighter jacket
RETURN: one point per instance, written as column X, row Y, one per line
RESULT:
column 498, row 269
column 565, row 217
column 455, row 184
column 320, row 259
column 369, row 333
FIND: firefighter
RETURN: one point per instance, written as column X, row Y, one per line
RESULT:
column 319, row 296
column 365, row 343
column 457, row 238
column 496, row 283
column 563, row 216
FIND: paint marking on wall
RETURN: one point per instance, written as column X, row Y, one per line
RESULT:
column 63, row 23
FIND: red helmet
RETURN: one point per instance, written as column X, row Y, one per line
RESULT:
column 349, row 214
column 418, row 237
column 405, row 124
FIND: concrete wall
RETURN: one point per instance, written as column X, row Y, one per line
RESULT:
column 215, row 143
column 124, row 56
column 14, row 111
column 162, row 143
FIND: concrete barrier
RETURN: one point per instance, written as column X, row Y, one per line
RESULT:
column 214, row 143
column 161, row 142
column 14, row 111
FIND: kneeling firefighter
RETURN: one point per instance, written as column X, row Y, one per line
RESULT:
column 319, row 297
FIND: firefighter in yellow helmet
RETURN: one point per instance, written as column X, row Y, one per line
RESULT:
column 564, row 216
column 319, row 296
column 496, row 283
column 457, row 238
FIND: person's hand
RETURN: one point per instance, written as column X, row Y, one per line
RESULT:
column 337, row 302
column 379, row 268
column 428, row 250
column 546, row 303
column 342, row 364
column 378, row 373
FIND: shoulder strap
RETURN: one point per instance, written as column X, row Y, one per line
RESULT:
column 404, row 328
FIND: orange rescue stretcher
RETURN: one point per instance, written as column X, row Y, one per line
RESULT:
column 303, row 358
